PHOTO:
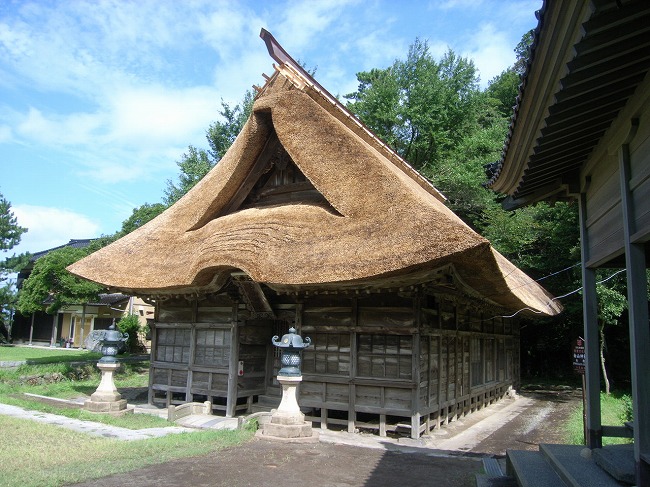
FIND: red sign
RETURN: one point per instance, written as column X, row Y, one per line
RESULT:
column 579, row 356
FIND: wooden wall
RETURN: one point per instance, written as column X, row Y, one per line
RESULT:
column 384, row 361
column 425, row 359
column 600, row 180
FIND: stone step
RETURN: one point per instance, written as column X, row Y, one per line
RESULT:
column 530, row 469
column 618, row 461
column 206, row 421
column 492, row 467
column 269, row 400
column 575, row 465
column 484, row 480
column 493, row 476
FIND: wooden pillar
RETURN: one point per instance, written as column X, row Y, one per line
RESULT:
column 54, row 329
column 352, row 391
column 83, row 325
column 415, row 370
column 73, row 320
column 154, row 347
column 231, row 401
column 637, row 296
column 31, row 329
column 590, row 322
column 190, row 364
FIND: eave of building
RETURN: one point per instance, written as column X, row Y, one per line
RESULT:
column 444, row 280
column 600, row 53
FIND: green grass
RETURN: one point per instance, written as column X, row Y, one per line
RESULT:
column 66, row 381
column 32, row 355
column 36, row 454
column 42, row 455
column 613, row 409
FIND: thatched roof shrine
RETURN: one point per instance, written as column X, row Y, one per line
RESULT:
column 308, row 199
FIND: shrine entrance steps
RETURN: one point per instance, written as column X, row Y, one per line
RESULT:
column 563, row 465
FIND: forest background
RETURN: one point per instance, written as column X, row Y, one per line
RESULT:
column 434, row 114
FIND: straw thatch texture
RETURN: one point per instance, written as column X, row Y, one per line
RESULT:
column 385, row 222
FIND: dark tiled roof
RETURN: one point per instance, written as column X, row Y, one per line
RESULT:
column 104, row 299
column 77, row 244
column 112, row 298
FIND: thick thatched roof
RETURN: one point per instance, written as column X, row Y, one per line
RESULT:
column 365, row 220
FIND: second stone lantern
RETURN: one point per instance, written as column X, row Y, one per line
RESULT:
column 288, row 421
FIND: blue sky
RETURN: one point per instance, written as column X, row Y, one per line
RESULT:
column 99, row 99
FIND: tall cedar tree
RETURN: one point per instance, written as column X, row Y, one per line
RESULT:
column 10, row 234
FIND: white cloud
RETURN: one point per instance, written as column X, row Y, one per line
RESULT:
column 59, row 130
column 50, row 227
column 159, row 115
column 491, row 51
column 5, row 133
column 305, row 21
column 454, row 4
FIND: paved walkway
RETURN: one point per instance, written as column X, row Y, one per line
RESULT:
column 462, row 435
column 91, row 427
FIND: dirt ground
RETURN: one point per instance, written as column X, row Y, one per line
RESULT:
column 269, row 463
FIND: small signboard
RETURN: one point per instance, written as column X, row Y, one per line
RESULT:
column 579, row 356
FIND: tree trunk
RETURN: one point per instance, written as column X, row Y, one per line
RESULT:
column 601, row 329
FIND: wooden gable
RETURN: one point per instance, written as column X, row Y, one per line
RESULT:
column 275, row 180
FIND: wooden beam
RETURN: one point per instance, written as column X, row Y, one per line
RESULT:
column 638, row 322
column 415, row 369
column 258, row 169
column 190, row 373
column 352, row 392
column 54, row 329
column 590, row 316
column 231, row 400
column 154, row 347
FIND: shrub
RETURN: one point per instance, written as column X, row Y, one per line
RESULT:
column 131, row 325
column 626, row 408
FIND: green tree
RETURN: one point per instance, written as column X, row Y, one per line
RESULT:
column 10, row 235
column 52, row 286
column 503, row 90
column 421, row 107
column 10, row 231
column 522, row 50
column 196, row 163
column 222, row 134
column 140, row 216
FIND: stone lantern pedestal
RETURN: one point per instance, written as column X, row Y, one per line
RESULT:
column 106, row 399
column 288, row 421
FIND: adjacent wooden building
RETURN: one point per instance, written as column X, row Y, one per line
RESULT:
column 310, row 221
column 581, row 131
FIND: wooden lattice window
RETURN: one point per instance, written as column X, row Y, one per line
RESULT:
column 476, row 361
column 329, row 354
column 212, row 348
column 385, row 356
column 490, row 362
column 173, row 345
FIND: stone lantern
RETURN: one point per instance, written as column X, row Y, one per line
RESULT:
column 288, row 421
column 291, row 347
column 106, row 399
column 111, row 343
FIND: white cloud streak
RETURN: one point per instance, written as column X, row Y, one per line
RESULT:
column 111, row 92
column 50, row 227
